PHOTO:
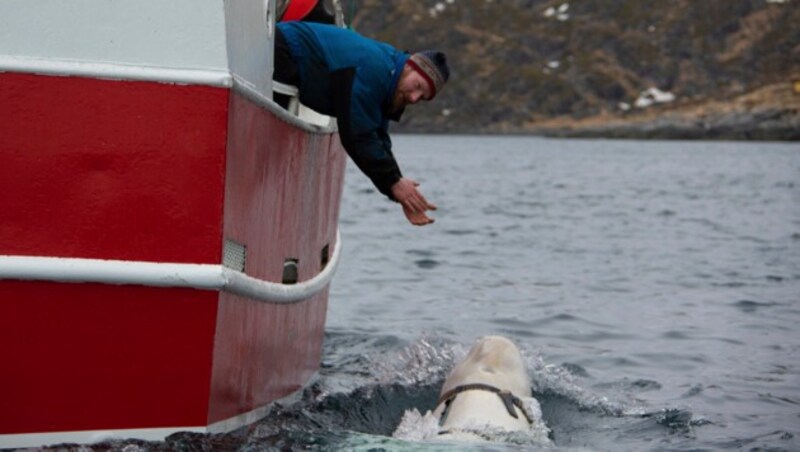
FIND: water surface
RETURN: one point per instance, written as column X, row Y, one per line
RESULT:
column 652, row 286
column 642, row 278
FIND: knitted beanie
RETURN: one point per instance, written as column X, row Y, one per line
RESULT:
column 432, row 65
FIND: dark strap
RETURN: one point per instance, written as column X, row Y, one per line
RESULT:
column 509, row 399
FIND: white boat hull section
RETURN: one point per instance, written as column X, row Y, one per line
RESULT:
column 179, row 41
column 147, row 434
column 186, row 34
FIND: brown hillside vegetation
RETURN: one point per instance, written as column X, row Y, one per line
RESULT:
column 720, row 68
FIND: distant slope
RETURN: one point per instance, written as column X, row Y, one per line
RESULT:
column 714, row 68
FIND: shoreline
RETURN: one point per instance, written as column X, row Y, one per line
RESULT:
column 770, row 113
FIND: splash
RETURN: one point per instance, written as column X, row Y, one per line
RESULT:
column 431, row 359
column 562, row 381
column 417, row 427
column 427, row 360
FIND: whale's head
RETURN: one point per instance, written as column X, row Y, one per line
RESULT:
column 487, row 394
column 493, row 360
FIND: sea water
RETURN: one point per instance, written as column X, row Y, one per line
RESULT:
column 653, row 287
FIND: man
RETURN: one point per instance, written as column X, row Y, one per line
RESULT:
column 363, row 83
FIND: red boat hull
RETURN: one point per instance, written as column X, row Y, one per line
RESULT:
column 160, row 173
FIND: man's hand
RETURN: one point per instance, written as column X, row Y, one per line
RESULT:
column 414, row 204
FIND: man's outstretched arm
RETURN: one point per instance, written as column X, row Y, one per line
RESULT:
column 372, row 152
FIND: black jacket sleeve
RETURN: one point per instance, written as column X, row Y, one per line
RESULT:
column 372, row 150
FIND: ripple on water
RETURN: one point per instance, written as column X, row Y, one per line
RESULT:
column 676, row 335
column 556, row 318
column 459, row 232
column 676, row 361
column 427, row 263
column 676, row 420
column 575, row 370
column 627, row 385
column 750, row 306
column 693, row 391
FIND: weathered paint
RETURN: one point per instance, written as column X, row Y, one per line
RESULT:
column 283, row 188
column 263, row 352
column 287, row 179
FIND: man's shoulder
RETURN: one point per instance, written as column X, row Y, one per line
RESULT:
column 331, row 36
column 318, row 29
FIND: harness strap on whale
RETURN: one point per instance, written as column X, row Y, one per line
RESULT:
column 509, row 400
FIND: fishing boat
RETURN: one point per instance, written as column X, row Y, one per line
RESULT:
column 168, row 233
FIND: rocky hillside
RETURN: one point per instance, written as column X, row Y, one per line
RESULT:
column 665, row 68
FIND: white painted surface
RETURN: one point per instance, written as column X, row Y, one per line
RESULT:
column 115, row 71
column 225, row 43
column 147, row 434
column 250, row 29
column 175, row 41
column 157, row 274
column 178, row 34
column 90, row 436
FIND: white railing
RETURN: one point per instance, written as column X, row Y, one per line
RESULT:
column 159, row 274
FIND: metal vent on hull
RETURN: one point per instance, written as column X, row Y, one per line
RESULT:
column 234, row 255
column 290, row 271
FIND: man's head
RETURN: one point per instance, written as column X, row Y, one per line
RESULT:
column 424, row 75
column 432, row 66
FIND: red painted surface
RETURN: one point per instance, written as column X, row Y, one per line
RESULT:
column 283, row 190
column 298, row 9
column 281, row 344
column 155, row 172
column 91, row 356
column 100, row 168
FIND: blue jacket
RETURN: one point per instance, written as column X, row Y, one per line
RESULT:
column 353, row 78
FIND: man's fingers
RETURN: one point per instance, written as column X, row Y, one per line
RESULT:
column 422, row 221
column 417, row 218
column 419, row 205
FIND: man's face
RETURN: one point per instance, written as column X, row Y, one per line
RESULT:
column 411, row 88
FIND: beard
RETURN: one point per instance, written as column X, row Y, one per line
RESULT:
column 398, row 102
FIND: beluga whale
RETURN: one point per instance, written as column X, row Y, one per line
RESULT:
column 486, row 397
